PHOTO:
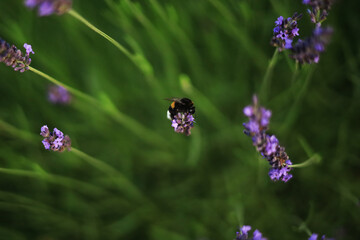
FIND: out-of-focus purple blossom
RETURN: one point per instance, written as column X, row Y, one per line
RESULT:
column 55, row 141
column 308, row 50
column 243, row 234
column 58, row 95
column 183, row 123
column 284, row 32
column 319, row 10
column 13, row 57
column 314, row 236
column 48, row 7
column 268, row 146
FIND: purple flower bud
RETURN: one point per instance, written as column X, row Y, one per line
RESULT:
column 314, row 236
column 253, row 126
column 46, row 9
column 279, row 20
column 248, row 111
column 257, row 235
column 58, row 133
column 271, row 145
column 319, row 10
column 243, row 234
column 31, row 3
column 45, row 131
column 28, row 48
column 55, row 141
column 245, row 229
column 183, row 123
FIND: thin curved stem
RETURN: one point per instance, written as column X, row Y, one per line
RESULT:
column 70, row 89
column 76, row 15
column 298, row 96
column 267, row 77
column 316, row 158
column 144, row 133
column 114, row 174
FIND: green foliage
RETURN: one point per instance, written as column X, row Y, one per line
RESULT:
column 143, row 181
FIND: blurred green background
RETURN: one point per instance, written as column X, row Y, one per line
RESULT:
column 201, row 187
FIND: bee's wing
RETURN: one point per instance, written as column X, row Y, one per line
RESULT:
column 174, row 99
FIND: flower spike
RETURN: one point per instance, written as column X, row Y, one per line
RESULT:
column 268, row 146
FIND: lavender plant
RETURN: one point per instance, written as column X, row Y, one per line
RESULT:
column 268, row 146
column 49, row 7
column 55, row 141
column 243, row 234
column 11, row 56
column 308, row 50
column 319, row 10
column 285, row 31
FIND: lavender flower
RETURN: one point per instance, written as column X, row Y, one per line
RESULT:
column 13, row 57
column 243, row 234
column 308, row 51
column 319, row 10
column 55, row 141
column 48, row 7
column 182, row 123
column 268, row 146
column 314, row 236
column 58, row 95
column 285, row 31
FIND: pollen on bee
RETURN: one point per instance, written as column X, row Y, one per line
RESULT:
column 173, row 105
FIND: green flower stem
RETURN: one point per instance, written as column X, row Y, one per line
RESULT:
column 145, row 134
column 300, row 93
column 61, row 180
column 303, row 227
column 267, row 78
column 115, row 175
column 316, row 158
column 135, row 58
column 76, row 15
column 295, row 73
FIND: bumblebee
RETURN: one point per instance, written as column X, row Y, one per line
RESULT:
column 180, row 105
